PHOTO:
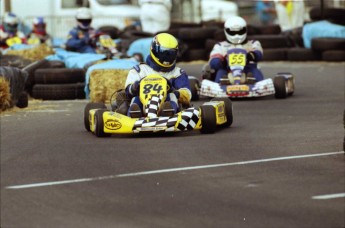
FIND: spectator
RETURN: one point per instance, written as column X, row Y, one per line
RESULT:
column 266, row 12
column 9, row 33
column 155, row 15
column 290, row 14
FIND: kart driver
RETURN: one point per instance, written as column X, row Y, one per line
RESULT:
column 9, row 30
column 39, row 34
column 162, row 60
column 81, row 37
column 235, row 29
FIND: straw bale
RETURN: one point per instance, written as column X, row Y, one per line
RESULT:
column 36, row 53
column 104, row 82
column 5, row 95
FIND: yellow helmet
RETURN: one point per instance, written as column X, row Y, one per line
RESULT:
column 164, row 49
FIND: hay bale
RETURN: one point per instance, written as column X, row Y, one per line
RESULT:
column 104, row 82
column 36, row 53
column 5, row 95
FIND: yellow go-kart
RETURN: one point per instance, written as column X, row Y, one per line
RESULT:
column 153, row 91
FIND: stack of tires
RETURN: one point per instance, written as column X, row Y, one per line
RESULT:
column 322, row 49
column 51, row 80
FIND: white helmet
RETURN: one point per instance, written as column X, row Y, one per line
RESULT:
column 235, row 29
column 84, row 17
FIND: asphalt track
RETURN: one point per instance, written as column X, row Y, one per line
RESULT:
column 281, row 164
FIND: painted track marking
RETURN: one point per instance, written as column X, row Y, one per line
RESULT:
column 151, row 172
column 329, row 196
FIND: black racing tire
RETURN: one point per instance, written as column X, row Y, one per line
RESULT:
column 219, row 35
column 59, row 75
column 208, row 119
column 59, row 91
column 302, row 54
column 333, row 55
column 197, row 33
column 228, row 110
column 23, row 100
column 112, row 31
column 209, row 44
column 336, row 15
column 31, row 68
column 327, row 43
column 280, row 87
column 194, row 88
column 196, row 54
column 271, row 41
column 274, row 54
column 99, row 124
column 53, row 64
column 87, row 109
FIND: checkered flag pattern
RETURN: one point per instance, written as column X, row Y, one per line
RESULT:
column 152, row 107
column 189, row 119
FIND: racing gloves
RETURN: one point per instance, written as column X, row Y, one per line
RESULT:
column 251, row 56
column 134, row 89
column 183, row 96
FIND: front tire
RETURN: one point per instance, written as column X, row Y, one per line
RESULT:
column 208, row 120
column 99, row 124
column 280, row 87
column 87, row 109
column 228, row 110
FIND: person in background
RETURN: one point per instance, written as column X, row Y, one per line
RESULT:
column 235, row 29
column 9, row 33
column 155, row 15
column 39, row 34
column 266, row 12
column 81, row 38
column 162, row 60
column 290, row 14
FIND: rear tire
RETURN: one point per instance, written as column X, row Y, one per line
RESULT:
column 280, row 87
column 228, row 110
column 87, row 108
column 208, row 120
column 194, row 87
column 99, row 124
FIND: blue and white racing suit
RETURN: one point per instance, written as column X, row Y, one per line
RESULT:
column 177, row 77
column 218, row 58
column 78, row 40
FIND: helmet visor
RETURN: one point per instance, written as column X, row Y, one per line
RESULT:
column 242, row 31
column 85, row 22
column 166, row 56
column 11, row 27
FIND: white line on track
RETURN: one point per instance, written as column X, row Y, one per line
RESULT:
column 43, row 184
column 329, row 196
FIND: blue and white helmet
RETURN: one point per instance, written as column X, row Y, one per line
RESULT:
column 11, row 22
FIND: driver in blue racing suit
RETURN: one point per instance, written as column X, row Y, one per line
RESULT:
column 162, row 61
column 235, row 29
column 80, row 38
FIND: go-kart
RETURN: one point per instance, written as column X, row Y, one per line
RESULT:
column 153, row 90
column 237, row 84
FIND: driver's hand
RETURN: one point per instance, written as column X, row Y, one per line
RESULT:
column 183, row 96
column 251, row 56
column 134, row 89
